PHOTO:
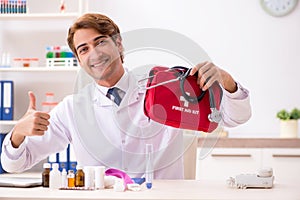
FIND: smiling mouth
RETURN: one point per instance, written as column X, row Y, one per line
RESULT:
column 100, row 64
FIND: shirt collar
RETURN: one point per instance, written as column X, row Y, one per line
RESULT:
column 123, row 84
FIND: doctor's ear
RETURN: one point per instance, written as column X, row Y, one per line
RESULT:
column 118, row 41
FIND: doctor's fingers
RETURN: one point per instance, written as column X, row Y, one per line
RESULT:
column 42, row 115
column 33, row 129
column 208, row 78
column 38, row 129
column 201, row 68
column 38, row 132
column 41, row 121
column 208, row 82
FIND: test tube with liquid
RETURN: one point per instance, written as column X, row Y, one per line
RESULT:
column 149, row 165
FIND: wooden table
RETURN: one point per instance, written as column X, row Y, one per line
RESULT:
column 162, row 189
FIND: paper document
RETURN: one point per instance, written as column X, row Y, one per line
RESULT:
column 20, row 182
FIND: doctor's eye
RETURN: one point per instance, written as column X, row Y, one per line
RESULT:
column 101, row 42
column 82, row 50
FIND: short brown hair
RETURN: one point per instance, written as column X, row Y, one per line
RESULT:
column 98, row 22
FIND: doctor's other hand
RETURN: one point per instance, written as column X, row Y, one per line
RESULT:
column 208, row 73
column 32, row 123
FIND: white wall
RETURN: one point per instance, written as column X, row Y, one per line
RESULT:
column 260, row 51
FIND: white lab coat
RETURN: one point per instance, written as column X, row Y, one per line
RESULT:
column 104, row 134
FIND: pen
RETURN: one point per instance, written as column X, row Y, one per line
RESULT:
column 149, row 165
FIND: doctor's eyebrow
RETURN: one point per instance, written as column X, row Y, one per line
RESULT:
column 94, row 40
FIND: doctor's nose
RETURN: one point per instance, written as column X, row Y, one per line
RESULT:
column 95, row 52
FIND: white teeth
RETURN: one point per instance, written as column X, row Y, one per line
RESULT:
column 99, row 64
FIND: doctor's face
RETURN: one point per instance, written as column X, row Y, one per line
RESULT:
column 99, row 55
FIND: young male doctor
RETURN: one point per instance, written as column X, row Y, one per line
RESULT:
column 105, row 130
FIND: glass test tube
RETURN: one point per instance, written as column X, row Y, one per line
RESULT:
column 149, row 165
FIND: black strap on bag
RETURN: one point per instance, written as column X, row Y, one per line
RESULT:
column 215, row 115
column 185, row 95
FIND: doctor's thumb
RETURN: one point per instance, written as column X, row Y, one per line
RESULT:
column 32, row 104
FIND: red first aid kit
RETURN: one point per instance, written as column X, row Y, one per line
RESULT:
column 174, row 98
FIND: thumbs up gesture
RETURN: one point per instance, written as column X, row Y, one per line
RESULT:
column 32, row 123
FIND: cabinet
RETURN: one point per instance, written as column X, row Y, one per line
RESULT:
column 285, row 163
column 221, row 163
column 27, row 35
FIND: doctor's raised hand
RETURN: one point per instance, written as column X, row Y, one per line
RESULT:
column 32, row 123
column 208, row 73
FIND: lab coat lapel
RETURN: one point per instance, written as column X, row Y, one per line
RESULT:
column 133, row 94
column 89, row 132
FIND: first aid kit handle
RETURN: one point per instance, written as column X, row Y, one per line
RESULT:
column 191, row 99
column 158, row 84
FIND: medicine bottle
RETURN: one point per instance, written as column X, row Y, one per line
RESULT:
column 71, row 178
column 64, row 178
column 45, row 174
column 55, row 177
column 79, row 177
column 99, row 177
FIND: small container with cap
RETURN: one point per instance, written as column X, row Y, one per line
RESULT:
column 26, row 62
column 45, row 174
column 64, row 179
column 55, row 177
column 79, row 177
column 71, row 179
column 89, row 177
column 99, row 177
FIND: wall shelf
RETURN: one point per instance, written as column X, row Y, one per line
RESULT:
column 40, row 69
column 38, row 16
column 60, row 80
column 6, row 126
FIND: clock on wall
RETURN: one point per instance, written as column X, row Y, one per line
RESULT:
column 278, row 8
